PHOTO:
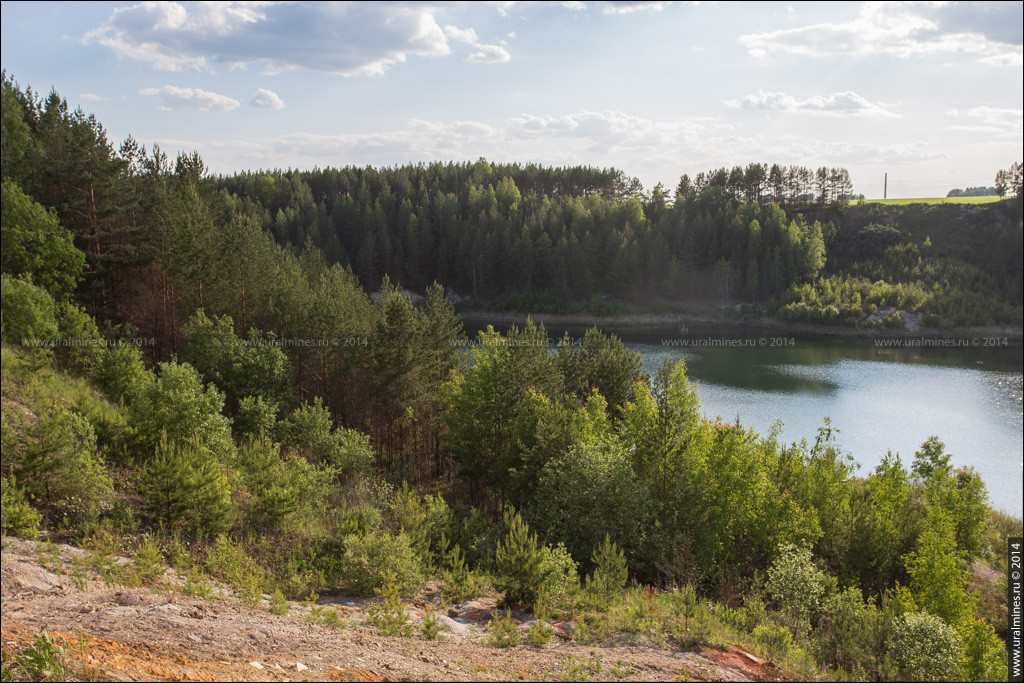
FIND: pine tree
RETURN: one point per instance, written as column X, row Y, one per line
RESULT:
column 519, row 562
column 186, row 487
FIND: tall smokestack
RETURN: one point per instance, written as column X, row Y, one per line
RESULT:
column 885, row 192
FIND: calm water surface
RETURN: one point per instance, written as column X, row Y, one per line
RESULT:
column 880, row 399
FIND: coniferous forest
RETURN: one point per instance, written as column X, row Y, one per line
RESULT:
column 229, row 372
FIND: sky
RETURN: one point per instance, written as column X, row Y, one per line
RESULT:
column 930, row 93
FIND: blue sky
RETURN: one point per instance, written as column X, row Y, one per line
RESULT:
column 929, row 92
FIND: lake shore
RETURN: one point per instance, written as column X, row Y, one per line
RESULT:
column 727, row 324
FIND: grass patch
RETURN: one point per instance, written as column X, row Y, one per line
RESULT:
column 935, row 200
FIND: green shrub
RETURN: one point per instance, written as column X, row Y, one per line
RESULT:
column 178, row 406
column 589, row 492
column 924, row 648
column 148, row 563
column 610, row 572
column 938, row 577
column 35, row 244
column 359, row 520
column 309, row 431
column 984, row 652
column 370, row 559
column 79, row 343
column 230, row 562
column 186, row 488
column 29, row 315
column 458, row 582
column 502, row 631
column 282, row 489
column 389, row 616
column 120, row 373
column 19, row 519
column 61, row 467
column 776, row 639
column 255, row 418
column 559, row 570
column 278, row 605
column 45, row 660
column 841, row 639
column 539, row 632
column 430, row 627
column 519, row 563
column 238, row 368
column 798, row 587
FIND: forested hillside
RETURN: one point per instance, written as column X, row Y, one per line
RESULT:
column 193, row 370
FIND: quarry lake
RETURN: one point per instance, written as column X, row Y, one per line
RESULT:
column 879, row 398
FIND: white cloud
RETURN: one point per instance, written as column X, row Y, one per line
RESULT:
column 991, row 31
column 338, row 38
column 466, row 35
column 991, row 120
column 485, row 54
column 489, row 54
column 846, row 103
column 93, row 97
column 503, row 7
column 172, row 97
column 651, row 149
column 266, row 99
column 630, row 7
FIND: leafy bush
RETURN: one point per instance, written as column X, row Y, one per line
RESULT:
column 589, row 492
column 19, row 519
column 984, row 652
column 559, row 571
column 178, row 406
column 238, row 368
column 841, row 639
column 799, row 588
column 309, row 431
column 35, row 244
column 775, row 638
column 230, row 562
column 120, row 373
column 370, row 559
column 938, row 578
column 278, row 605
column 61, row 467
column 924, row 648
column 29, row 315
column 80, row 343
column 256, row 417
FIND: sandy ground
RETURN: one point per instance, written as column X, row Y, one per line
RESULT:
column 157, row 633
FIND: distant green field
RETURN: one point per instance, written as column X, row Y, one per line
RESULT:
column 935, row 200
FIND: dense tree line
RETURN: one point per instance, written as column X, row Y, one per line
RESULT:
column 972, row 192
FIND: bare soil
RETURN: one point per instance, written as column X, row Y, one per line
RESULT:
column 158, row 633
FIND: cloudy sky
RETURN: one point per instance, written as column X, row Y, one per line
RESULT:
column 929, row 92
